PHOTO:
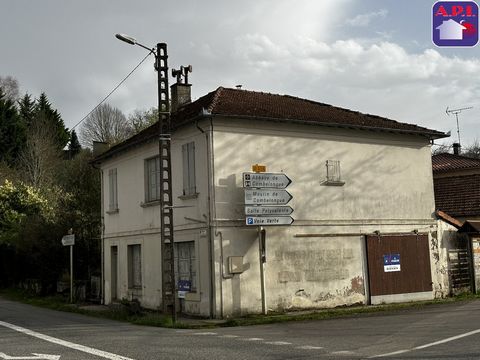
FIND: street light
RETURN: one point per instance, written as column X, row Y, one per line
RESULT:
column 165, row 171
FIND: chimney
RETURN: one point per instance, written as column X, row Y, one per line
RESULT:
column 181, row 95
column 181, row 92
column 456, row 148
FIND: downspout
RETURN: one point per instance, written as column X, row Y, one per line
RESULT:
column 211, row 205
column 102, row 240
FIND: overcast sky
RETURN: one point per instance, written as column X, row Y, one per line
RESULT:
column 373, row 56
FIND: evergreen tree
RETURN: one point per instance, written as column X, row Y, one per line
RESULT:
column 74, row 145
column 47, row 116
column 12, row 131
column 27, row 109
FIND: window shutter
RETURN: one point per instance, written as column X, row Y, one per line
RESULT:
column 191, row 169
column 185, row 169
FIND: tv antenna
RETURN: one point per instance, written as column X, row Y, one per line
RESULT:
column 456, row 112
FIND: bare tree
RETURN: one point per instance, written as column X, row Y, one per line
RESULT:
column 141, row 119
column 473, row 150
column 442, row 148
column 39, row 159
column 10, row 87
column 105, row 124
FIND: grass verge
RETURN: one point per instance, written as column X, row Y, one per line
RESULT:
column 131, row 312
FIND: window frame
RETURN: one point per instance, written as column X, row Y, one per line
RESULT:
column 152, row 191
column 188, row 167
column 134, row 266
column 112, row 190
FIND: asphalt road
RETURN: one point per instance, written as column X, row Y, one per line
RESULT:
column 436, row 332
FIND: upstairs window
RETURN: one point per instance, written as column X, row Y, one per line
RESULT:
column 333, row 174
column 188, row 153
column 152, row 179
column 112, row 190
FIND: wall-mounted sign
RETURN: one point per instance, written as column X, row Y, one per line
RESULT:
column 391, row 262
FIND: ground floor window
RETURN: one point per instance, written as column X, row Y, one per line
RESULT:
column 185, row 265
column 134, row 258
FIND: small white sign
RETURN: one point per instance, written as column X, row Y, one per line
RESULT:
column 181, row 294
column 68, row 240
column 391, row 268
column 269, row 220
column 268, row 210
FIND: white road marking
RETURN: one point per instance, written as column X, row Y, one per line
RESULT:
column 252, row 339
column 429, row 345
column 34, row 357
column 309, row 347
column 228, row 336
column 205, row 333
column 278, row 343
column 64, row 343
column 343, row 352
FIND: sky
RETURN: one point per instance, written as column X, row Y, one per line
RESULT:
column 372, row 56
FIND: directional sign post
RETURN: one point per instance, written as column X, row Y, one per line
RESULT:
column 267, row 197
column 266, row 180
column 69, row 240
column 268, row 210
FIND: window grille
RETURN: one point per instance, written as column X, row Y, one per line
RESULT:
column 333, row 173
column 134, row 266
column 185, row 265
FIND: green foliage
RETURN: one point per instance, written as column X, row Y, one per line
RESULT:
column 17, row 203
column 74, row 146
column 45, row 115
column 12, row 131
column 141, row 119
column 27, row 109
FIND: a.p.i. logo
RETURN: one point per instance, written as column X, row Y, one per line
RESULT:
column 455, row 23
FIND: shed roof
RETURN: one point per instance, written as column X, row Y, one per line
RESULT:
column 459, row 196
column 446, row 162
column 254, row 105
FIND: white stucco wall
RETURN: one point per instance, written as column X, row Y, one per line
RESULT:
column 318, row 261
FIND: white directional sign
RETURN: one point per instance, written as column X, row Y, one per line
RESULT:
column 268, row 210
column 266, row 180
column 269, row 220
column 267, row 197
column 33, row 357
column 68, row 240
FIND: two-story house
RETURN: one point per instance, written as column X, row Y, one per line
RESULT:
column 362, row 197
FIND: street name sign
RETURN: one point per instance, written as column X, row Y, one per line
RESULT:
column 269, row 220
column 68, row 240
column 267, row 197
column 268, row 210
column 266, row 180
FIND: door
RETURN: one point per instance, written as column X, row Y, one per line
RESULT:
column 398, row 264
column 114, row 272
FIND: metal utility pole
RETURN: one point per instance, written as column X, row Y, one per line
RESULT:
column 165, row 175
column 456, row 112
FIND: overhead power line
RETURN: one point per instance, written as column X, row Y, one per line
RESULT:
column 111, row 92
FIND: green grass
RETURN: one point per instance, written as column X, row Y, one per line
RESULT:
column 132, row 313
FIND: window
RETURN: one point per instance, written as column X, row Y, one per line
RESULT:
column 188, row 152
column 333, row 173
column 134, row 259
column 185, row 267
column 113, row 190
column 152, row 179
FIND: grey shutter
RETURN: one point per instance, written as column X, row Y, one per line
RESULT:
column 185, row 169
column 191, row 169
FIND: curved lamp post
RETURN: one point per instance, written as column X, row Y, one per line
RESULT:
column 165, row 171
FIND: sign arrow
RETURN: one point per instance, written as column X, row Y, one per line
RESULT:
column 268, row 220
column 266, row 180
column 34, row 357
column 267, row 197
column 268, row 210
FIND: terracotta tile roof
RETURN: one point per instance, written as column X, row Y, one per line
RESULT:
column 449, row 162
column 253, row 105
column 459, row 196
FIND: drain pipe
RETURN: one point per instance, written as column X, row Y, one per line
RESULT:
column 211, row 209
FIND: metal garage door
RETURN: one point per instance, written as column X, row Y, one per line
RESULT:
column 398, row 264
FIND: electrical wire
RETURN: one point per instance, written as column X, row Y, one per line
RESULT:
column 114, row 89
